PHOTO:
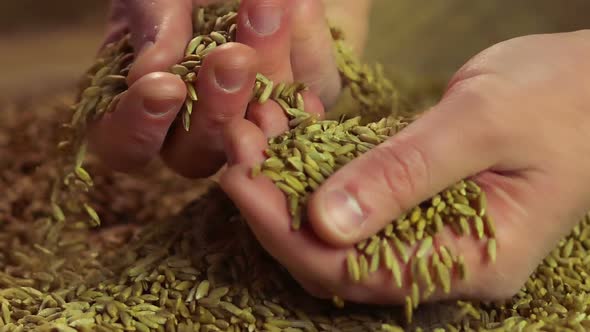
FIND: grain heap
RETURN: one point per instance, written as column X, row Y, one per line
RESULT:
column 186, row 273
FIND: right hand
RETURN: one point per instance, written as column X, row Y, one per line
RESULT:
column 515, row 119
column 284, row 40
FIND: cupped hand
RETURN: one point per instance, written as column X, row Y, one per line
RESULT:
column 284, row 40
column 515, row 119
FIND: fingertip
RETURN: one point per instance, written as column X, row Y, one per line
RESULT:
column 262, row 19
column 265, row 26
column 132, row 135
column 228, row 75
column 235, row 54
column 160, row 93
column 229, row 69
column 336, row 217
column 335, row 213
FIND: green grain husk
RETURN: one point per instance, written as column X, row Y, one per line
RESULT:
column 184, row 271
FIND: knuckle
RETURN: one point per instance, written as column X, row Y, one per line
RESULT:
column 487, row 101
column 274, row 67
column 478, row 90
column 404, row 168
column 486, row 61
column 143, row 142
column 124, row 151
column 216, row 119
column 477, row 66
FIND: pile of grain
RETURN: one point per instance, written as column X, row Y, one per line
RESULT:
column 152, row 268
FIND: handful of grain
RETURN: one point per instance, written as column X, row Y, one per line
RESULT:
column 187, row 273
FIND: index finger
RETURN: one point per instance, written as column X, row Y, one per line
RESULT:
column 133, row 135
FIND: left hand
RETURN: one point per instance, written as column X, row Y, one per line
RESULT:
column 515, row 118
column 281, row 39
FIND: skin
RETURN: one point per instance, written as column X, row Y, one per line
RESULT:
column 514, row 118
column 291, row 36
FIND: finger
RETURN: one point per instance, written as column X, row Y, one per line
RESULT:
column 134, row 133
column 224, row 86
column 271, row 118
column 264, row 25
column 445, row 145
column 266, row 213
column 312, row 52
column 160, row 31
column 245, row 144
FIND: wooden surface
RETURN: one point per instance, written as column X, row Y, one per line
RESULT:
column 46, row 45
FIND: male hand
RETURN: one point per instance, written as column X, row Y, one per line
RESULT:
column 515, row 119
column 284, row 40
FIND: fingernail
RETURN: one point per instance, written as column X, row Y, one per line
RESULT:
column 230, row 79
column 160, row 106
column 265, row 19
column 342, row 212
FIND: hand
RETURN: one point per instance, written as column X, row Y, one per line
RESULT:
column 284, row 40
column 515, row 119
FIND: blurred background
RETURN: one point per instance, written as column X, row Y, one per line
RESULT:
column 46, row 45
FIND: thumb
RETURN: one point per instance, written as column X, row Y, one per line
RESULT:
column 447, row 144
column 160, row 30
